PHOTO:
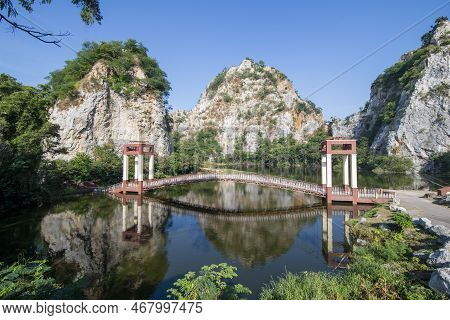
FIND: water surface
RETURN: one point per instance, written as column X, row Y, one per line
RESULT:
column 137, row 247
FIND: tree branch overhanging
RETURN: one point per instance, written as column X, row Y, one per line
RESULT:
column 41, row 36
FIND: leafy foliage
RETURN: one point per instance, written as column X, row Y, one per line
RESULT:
column 26, row 136
column 189, row 154
column 381, row 163
column 211, row 283
column 281, row 152
column 403, row 220
column 120, row 58
column 103, row 168
column 90, row 9
column 26, row 280
column 388, row 112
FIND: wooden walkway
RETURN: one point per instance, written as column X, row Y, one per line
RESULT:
column 338, row 193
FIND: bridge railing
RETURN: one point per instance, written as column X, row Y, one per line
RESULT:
column 375, row 193
column 340, row 191
column 253, row 178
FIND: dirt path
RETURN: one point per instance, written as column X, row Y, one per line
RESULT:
column 417, row 206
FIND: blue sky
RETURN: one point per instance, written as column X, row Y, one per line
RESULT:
column 309, row 41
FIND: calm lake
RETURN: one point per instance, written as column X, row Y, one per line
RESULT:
column 137, row 247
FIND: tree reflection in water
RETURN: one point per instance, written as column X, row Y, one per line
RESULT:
column 121, row 244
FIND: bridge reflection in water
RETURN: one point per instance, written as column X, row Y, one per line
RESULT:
column 138, row 225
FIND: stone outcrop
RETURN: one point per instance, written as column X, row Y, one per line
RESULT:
column 100, row 115
column 248, row 102
column 408, row 111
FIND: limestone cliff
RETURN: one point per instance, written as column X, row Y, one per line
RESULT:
column 408, row 111
column 100, row 115
column 247, row 102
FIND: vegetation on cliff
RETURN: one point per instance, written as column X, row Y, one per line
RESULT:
column 120, row 58
column 402, row 77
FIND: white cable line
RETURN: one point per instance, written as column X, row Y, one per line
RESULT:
column 326, row 84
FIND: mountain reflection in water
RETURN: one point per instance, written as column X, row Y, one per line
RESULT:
column 136, row 247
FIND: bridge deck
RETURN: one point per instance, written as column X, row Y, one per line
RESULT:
column 338, row 193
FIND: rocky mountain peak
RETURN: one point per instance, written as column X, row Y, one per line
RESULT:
column 248, row 102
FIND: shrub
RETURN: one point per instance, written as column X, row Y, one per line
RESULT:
column 388, row 112
column 211, row 283
column 215, row 84
column 26, row 280
column 403, row 220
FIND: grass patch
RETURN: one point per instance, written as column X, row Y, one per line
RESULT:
column 384, row 269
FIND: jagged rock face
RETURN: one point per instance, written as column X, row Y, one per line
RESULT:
column 248, row 102
column 420, row 121
column 99, row 115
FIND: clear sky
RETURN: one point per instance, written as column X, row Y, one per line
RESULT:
column 309, row 41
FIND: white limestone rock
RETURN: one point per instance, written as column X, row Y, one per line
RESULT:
column 247, row 102
column 99, row 115
column 420, row 126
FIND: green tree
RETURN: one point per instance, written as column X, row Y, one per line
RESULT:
column 211, row 283
column 26, row 136
column 90, row 13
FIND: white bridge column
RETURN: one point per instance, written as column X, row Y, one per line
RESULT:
column 329, row 178
column 354, row 171
column 151, row 166
column 136, row 168
column 354, row 185
column 329, row 171
column 125, row 168
column 324, row 170
column 346, row 173
column 140, row 167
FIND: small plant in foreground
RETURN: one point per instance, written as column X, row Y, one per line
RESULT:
column 209, row 284
column 403, row 220
column 26, row 280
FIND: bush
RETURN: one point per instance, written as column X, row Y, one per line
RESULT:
column 215, row 84
column 388, row 112
column 403, row 220
column 211, row 283
column 27, row 280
